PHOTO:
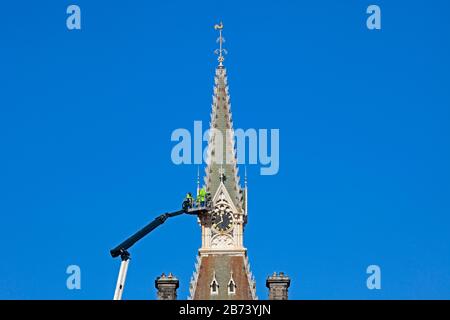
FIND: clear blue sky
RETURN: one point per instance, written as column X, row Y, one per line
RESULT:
column 86, row 118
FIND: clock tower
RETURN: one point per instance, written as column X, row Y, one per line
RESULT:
column 222, row 270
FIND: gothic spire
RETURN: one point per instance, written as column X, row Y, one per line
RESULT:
column 221, row 162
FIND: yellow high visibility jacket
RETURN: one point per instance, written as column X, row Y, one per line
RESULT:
column 202, row 194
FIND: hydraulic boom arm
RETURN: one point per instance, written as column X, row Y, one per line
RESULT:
column 122, row 249
column 124, row 246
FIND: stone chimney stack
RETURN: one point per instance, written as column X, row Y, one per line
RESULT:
column 167, row 287
column 278, row 285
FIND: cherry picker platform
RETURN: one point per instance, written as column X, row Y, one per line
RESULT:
column 122, row 249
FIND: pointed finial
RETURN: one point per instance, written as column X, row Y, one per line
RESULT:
column 245, row 176
column 198, row 180
column 221, row 51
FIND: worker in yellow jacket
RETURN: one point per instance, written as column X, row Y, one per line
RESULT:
column 201, row 197
column 188, row 201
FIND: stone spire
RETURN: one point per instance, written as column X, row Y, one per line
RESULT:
column 222, row 270
column 221, row 161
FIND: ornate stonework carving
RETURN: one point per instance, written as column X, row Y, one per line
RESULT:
column 222, row 241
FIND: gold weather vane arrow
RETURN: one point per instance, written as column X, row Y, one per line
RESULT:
column 221, row 51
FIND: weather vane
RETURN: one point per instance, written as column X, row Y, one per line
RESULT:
column 221, row 51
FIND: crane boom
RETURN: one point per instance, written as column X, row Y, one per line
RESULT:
column 124, row 246
column 122, row 249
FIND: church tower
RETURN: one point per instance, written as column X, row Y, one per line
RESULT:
column 222, row 270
